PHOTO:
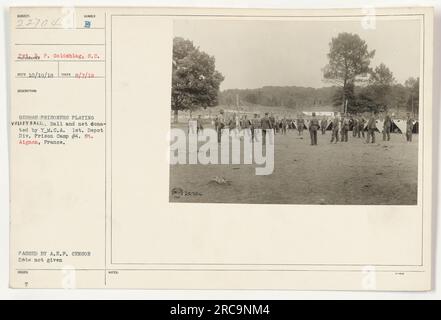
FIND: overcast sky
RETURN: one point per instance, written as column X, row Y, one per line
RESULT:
column 253, row 54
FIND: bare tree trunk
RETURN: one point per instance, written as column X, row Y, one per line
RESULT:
column 344, row 103
column 344, row 95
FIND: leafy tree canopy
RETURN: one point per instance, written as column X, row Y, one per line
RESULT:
column 349, row 59
column 195, row 80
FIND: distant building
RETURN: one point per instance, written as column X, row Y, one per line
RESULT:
column 319, row 113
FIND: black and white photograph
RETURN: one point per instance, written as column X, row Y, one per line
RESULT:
column 296, row 111
column 221, row 151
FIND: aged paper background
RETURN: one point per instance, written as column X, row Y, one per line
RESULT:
column 109, row 196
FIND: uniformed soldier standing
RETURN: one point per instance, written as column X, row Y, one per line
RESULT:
column 199, row 124
column 220, row 125
column 344, row 128
column 371, row 126
column 324, row 125
column 355, row 127
column 245, row 124
column 289, row 124
column 216, row 123
column 361, row 122
column 192, row 125
column 266, row 126
column 284, row 124
column 387, row 125
column 272, row 121
column 277, row 127
column 409, row 128
column 300, row 125
column 232, row 124
column 255, row 124
column 313, row 128
column 335, row 128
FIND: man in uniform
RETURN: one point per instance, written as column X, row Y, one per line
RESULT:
column 355, row 127
column 313, row 128
column 199, row 124
column 245, row 124
column 371, row 127
column 289, row 124
column 266, row 126
column 361, row 123
column 232, row 124
column 335, row 128
column 284, row 124
column 300, row 125
column 324, row 124
column 255, row 124
column 344, row 128
column 273, row 121
column 409, row 128
column 220, row 124
column 216, row 122
column 192, row 125
column 387, row 125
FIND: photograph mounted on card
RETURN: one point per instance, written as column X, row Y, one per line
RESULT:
column 202, row 148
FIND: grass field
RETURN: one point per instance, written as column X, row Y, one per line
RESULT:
column 384, row 173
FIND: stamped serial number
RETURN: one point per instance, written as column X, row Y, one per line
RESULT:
column 238, row 309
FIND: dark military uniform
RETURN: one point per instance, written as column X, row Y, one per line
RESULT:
column 232, row 123
column 355, row 127
column 199, row 125
column 371, row 126
column 313, row 128
column 409, row 128
column 300, row 126
column 245, row 123
column 273, row 122
column 255, row 124
column 266, row 126
column 284, row 124
column 361, row 123
column 387, row 125
column 219, row 126
column 335, row 129
column 344, row 129
column 324, row 125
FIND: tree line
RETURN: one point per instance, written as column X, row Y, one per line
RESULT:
column 274, row 96
column 353, row 84
column 360, row 87
column 399, row 98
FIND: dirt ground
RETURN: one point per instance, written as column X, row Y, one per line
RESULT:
column 353, row 172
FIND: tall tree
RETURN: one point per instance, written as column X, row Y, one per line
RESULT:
column 195, row 80
column 413, row 86
column 382, row 76
column 381, row 82
column 399, row 99
column 349, row 60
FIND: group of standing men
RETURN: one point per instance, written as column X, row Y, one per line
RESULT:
column 359, row 125
column 340, row 126
column 266, row 124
